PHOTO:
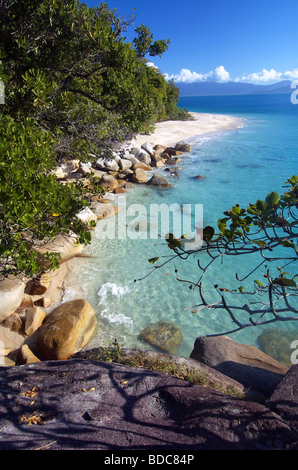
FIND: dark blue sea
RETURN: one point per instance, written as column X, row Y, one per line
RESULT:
column 239, row 166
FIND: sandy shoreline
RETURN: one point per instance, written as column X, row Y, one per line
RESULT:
column 166, row 133
column 170, row 132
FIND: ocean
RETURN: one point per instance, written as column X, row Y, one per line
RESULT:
column 239, row 166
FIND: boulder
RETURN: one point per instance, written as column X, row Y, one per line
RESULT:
column 159, row 148
column 85, row 169
column 66, row 169
column 66, row 330
column 199, row 177
column 108, row 182
column 142, row 165
column 105, row 210
column 34, row 318
column 86, row 215
column 11, row 296
column 183, row 146
column 119, row 190
column 125, row 164
column 148, row 148
column 135, row 151
column 39, row 285
column 14, row 322
column 173, row 152
column 144, row 158
column 244, row 363
column 44, row 302
column 26, row 356
column 105, row 164
column 139, row 176
column 10, row 340
column 159, row 181
column 277, row 343
column 173, row 161
column 158, row 163
column 163, row 335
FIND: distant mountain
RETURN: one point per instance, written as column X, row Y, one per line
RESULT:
column 232, row 88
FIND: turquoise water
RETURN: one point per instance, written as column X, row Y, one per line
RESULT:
column 239, row 166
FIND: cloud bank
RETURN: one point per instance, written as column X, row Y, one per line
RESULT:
column 268, row 76
column 220, row 74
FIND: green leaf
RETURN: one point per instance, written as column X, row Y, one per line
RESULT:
column 260, row 243
column 153, row 260
column 283, row 281
column 208, row 233
column 272, row 199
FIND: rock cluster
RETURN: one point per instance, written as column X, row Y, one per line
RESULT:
column 21, row 302
column 128, row 165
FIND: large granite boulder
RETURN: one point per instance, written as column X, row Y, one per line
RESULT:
column 92, row 405
column 108, row 182
column 163, row 335
column 107, row 164
column 244, row 363
column 66, row 330
column 139, row 176
column 183, row 146
column 11, row 295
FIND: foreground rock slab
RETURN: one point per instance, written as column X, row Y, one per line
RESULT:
column 80, row 404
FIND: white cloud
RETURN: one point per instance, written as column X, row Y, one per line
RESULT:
column 268, row 76
column 219, row 74
column 151, row 64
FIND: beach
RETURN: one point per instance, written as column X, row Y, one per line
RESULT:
column 168, row 133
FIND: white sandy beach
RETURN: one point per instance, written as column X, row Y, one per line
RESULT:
column 170, row 132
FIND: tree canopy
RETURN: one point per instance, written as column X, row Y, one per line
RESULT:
column 73, row 87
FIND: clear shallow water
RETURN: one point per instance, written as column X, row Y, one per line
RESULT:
column 239, row 166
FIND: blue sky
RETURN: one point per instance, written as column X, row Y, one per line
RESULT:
column 244, row 40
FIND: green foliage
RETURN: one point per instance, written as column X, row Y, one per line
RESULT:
column 72, row 88
column 144, row 43
column 34, row 206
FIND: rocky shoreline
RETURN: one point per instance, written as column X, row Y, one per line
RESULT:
column 43, row 336
column 26, row 305
column 133, row 163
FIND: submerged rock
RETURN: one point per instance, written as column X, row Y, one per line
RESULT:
column 164, row 335
column 159, row 181
column 277, row 343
